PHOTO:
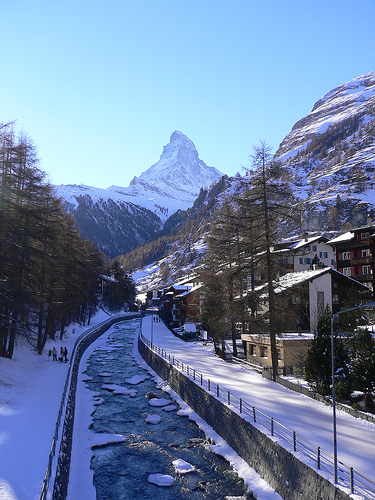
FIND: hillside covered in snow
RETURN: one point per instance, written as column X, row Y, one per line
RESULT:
column 331, row 156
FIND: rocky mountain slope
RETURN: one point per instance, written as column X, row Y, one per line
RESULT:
column 331, row 154
column 119, row 219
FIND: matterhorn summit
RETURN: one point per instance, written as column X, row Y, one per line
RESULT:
column 175, row 180
column 135, row 214
column 179, row 167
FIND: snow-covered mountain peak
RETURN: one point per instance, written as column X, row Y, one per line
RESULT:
column 358, row 90
column 180, row 167
column 353, row 99
column 330, row 154
column 171, row 184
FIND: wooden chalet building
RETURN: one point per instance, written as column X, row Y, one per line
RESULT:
column 303, row 254
column 304, row 297
column 355, row 251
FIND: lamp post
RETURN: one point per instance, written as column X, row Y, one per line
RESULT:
column 152, row 328
column 369, row 304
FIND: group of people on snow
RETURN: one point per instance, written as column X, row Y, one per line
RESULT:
column 63, row 354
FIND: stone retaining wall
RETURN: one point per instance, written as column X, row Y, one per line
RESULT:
column 290, row 477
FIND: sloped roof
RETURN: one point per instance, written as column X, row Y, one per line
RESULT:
column 343, row 237
column 304, row 242
column 290, row 280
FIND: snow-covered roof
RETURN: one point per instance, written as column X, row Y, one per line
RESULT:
column 190, row 289
column 292, row 279
column 307, row 241
column 343, row 237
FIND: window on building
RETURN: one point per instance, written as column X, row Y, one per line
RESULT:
column 309, row 248
column 325, row 255
column 301, row 260
column 296, row 299
column 314, row 248
column 252, row 350
column 332, row 262
column 307, row 260
column 366, row 269
column 320, row 303
column 347, row 271
column 345, row 255
column 335, row 298
column 365, row 252
column 263, row 351
column 365, row 235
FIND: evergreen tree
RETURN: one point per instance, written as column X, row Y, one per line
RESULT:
column 363, row 365
column 318, row 367
column 48, row 274
column 269, row 198
column 214, row 310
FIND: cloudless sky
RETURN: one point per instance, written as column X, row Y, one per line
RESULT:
column 100, row 85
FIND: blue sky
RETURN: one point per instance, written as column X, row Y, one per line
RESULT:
column 100, row 85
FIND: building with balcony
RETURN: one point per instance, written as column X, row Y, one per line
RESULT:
column 355, row 252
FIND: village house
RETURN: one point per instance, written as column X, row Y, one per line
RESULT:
column 355, row 252
column 178, row 303
column 303, row 295
column 153, row 298
column 306, row 253
column 190, row 303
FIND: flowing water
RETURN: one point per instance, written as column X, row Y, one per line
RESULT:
column 121, row 470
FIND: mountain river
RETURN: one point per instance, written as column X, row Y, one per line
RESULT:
column 121, row 470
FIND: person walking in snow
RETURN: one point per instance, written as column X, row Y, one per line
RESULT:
column 65, row 355
column 54, row 354
column 61, row 353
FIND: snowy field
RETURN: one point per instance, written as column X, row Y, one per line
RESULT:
column 31, row 387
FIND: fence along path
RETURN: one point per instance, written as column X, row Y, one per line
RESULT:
column 348, row 477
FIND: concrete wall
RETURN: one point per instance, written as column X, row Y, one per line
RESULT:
column 290, row 477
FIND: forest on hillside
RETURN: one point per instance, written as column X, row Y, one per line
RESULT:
column 48, row 273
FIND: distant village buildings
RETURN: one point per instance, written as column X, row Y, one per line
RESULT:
column 319, row 272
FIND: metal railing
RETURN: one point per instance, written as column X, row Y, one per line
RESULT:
column 347, row 477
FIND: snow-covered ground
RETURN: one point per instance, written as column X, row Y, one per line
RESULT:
column 32, row 385
column 309, row 418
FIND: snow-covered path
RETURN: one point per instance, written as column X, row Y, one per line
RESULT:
column 31, row 387
column 309, row 418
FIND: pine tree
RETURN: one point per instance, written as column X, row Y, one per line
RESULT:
column 318, row 367
column 363, row 365
column 269, row 199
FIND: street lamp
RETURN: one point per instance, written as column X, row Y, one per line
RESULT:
column 369, row 304
column 152, row 328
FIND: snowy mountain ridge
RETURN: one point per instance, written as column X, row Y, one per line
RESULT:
column 171, row 184
column 349, row 100
column 331, row 155
column 120, row 218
